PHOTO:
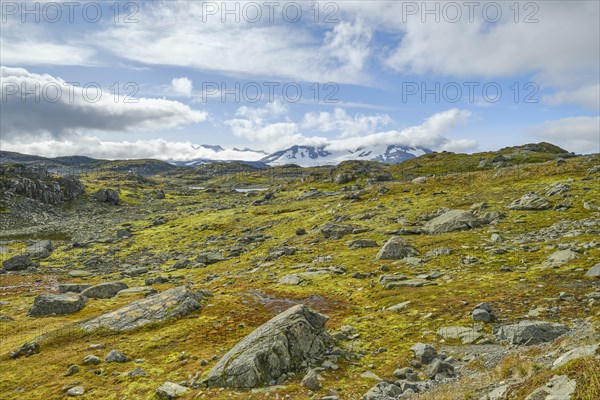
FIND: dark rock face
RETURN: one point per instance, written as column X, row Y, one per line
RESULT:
column 107, row 196
column 18, row 263
column 56, row 304
column 27, row 349
column 172, row 303
column 290, row 342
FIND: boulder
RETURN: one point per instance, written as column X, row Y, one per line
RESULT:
column 560, row 387
column 107, row 196
column 384, row 391
column 337, row 231
column 530, row 332
column 27, row 349
column 40, row 249
column 594, row 272
column 559, row 258
column 396, row 248
column 104, row 290
column 172, row 303
column 362, row 243
column 530, row 201
column 210, row 257
column 56, row 304
column 557, row 188
column 424, row 352
column 311, row 380
column 72, row 287
column 116, row 356
column 171, row 391
column 18, row 263
column 289, row 342
column 583, row 351
column 453, row 221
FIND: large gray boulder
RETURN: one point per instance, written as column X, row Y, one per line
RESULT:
column 457, row 220
column 530, row 332
column 530, row 201
column 104, row 290
column 56, row 304
column 396, row 249
column 18, row 263
column 172, row 303
column 289, row 342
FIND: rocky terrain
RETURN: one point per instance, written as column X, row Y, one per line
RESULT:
column 447, row 276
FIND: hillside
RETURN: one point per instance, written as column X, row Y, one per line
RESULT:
column 447, row 250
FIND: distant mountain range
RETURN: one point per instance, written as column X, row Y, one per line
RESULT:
column 309, row 156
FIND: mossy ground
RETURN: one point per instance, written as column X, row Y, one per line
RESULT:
column 246, row 293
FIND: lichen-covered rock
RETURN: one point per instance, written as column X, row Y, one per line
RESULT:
column 172, row 303
column 56, row 304
column 396, row 249
column 287, row 343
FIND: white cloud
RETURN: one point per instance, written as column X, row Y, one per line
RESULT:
column 174, row 33
column 346, row 125
column 34, row 104
column 159, row 149
column 30, row 44
column 263, row 126
column 182, row 86
column 588, row 95
column 577, row 134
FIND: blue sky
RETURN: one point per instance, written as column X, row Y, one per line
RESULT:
column 370, row 72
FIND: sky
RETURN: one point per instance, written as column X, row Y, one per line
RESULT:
column 156, row 79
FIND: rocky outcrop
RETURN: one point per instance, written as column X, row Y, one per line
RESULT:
column 530, row 332
column 172, row 303
column 56, row 304
column 43, row 187
column 290, row 342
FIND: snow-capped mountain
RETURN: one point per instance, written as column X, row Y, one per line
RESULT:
column 304, row 156
column 309, row 156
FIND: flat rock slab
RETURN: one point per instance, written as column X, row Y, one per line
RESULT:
column 170, row 391
column 172, row 303
column 584, row 351
column 287, row 343
column 56, row 304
